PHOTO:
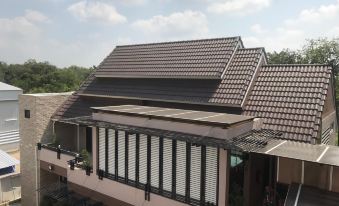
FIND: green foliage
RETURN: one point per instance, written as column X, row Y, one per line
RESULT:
column 86, row 160
column 37, row 77
column 315, row 51
column 322, row 51
column 286, row 56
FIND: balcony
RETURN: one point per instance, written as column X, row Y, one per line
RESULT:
column 55, row 156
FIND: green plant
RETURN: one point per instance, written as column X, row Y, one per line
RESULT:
column 86, row 161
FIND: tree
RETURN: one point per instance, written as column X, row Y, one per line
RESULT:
column 315, row 51
column 322, row 51
column 37, row 77
column 286, row 56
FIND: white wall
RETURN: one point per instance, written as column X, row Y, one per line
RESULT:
column 9, row 120
column 9, row 115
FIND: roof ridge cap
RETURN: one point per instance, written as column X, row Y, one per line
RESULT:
column 252, row 48
column 180, row 41
column 303, row 64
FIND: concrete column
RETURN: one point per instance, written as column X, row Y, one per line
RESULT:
column 224, row 170
column 94, row 149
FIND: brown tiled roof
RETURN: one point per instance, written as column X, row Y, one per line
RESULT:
column 197, row 59
column 229, row 91
column 290, row 98
column 238, row 76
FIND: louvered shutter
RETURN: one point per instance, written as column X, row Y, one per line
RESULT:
column 211, row 174
column 111, row 151
column 195, row 172
column 155, row 161
column 143, row 159
column 131, row 156
column 181, row 168
column 167, row 164
column 102, row 148
column 121, row 154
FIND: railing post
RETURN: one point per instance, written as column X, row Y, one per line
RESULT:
column 101, row 174
column 39, row 145
column 72, row 163
column 58, row 151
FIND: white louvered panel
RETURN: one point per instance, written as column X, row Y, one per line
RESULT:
column 111, row 151
column 181, row 168
column 102, row 148
column 143, row 159
column 155, row 161
column 195, row 172
column 167, row 165
column 131, row 156
column 121, row 154
column 211, row 174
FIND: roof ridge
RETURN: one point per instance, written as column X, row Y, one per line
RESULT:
column 303, row 64
column 252, row 48
column 181, row 41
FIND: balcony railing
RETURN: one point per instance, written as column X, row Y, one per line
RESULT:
column 57, row 149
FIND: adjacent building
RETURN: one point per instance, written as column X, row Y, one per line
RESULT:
column 201, row 122
column 9, row 123
column 10, row 189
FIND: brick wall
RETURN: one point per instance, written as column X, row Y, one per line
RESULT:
column 37, row 128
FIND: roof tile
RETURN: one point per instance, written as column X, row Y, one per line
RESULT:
column 290, row 98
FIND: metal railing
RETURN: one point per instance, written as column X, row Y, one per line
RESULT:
column 57, row 149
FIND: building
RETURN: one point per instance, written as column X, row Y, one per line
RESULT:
column 202, row 122
column 9, row 123
column 35, row 126
column 9, row 143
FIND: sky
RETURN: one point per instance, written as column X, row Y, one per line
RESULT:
column 83, row 32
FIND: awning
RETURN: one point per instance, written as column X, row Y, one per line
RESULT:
column 301, row 195
column 6, row 160
column 323, row 154
column 179, row 115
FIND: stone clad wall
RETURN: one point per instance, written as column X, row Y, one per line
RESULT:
column 38, row 128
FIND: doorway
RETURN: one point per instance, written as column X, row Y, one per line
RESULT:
column 260, row 180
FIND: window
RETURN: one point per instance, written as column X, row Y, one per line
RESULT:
column 89, row 139
column 27, row 113
column 175, row 169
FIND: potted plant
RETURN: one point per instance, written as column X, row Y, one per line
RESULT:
column 86, row 161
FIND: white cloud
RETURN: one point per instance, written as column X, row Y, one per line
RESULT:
column 239, row 7
column 133, row 2
column 18, row 34
column 187, row 24
column 309, row 23
column 257, row 28
column 23, row 37
column 96, row 11
column 36, row 16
